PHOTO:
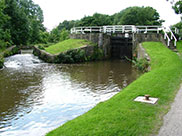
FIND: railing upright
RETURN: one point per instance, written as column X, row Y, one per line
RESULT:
column 166, row 36
column 173, row 36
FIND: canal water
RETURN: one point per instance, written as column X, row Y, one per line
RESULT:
column 36, row 97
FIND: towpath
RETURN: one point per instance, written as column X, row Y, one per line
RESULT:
column 172, row 125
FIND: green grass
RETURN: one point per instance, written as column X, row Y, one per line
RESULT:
column 67, row 45
column 179, row 46
column 121, row 116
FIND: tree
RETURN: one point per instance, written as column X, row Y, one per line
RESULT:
column 95, row 20
column 67, row 24
column 25, row 21
column 64, row 35
column 139, row 16
column 54, row 35
column 178, row 7
column 44, row 37
column 5, row 37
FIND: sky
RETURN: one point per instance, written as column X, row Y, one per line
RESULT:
column 56, row 11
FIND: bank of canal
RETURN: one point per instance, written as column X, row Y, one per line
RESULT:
column 37, row 97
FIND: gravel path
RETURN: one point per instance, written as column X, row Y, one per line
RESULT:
column 173, row 119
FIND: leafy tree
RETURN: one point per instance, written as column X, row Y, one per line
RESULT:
column 138, row 16
column 178, row 7
column 18, row 23
column 35, row 17
column 95, row 20
column 54, row 35
column 67, row 24
column 5, row 37
column 44, row 37
column 64, row 35
column 128, row 16
column 25, row 21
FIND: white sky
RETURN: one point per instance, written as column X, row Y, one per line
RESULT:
column 56, row 11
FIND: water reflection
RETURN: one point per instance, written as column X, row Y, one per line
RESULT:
column 36, row 97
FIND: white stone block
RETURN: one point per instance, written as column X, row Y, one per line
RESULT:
column 142, row 99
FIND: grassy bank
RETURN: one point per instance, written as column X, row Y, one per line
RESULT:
column 121, row 116
column 67, row 45
column 179, row 46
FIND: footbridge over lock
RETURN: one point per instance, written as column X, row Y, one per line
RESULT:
column 120, row 41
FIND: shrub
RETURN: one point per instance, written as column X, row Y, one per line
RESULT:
column 72, row 56
column 41, row 47
column 7, row 53
column 141, row 64
column 97, row 55
column 1, row 62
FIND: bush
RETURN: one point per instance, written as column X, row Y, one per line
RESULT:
column 2, row 44
column 141, row 64
column 7, row 53
column 97, row 55
column 1, row 62
column 64, row 35
column 72, row 56
column 41, row 47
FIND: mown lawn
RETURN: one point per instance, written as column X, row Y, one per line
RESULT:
column 179, row 46
column 121, row 116
column 67, row 45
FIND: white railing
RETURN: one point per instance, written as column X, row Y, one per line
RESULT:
column 117, row 29
column 83, row 30
column 173, row 37
column 147, row 29
column 166, row 36
column 126, row 29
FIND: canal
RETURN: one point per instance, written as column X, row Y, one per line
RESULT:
column 36, row 97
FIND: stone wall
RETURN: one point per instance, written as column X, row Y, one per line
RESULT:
column 102, row 40
column 93, row 37
column 47, row 57
column 142, row 54
column 50, row 58
column 141, row 37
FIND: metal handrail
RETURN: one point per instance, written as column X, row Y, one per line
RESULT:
column 116, row 28
column 173, row 36
column 166, row 35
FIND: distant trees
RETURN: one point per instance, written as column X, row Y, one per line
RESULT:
column 138, row 16
column 95, row 20
column 129, row 16
column 67, row 24
column 57, row 35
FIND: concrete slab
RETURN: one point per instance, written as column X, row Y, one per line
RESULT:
column 143, row 99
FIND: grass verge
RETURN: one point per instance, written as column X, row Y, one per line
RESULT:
column 67, row 45
column 179, row 46
column 120, row 115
